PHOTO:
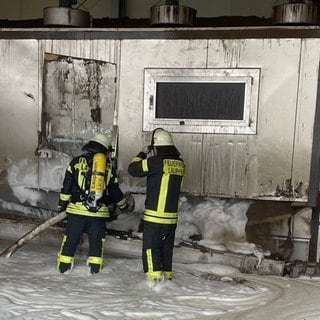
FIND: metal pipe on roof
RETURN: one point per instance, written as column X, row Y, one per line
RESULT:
column 118, row 8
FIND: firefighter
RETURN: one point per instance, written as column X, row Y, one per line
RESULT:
column 161, row 164
column 90, row 185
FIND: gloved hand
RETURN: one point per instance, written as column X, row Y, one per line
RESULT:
column 146, row 150
column 129, row 207
column 113, row 212
column 62, row 206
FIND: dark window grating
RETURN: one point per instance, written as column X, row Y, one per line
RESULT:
column 212, row 101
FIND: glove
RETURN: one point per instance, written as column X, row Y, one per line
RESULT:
column 146, row 150
column 129, row 207
column 62, row 206
column 113, row 212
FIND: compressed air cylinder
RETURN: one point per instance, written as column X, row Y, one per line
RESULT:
column 98, row 176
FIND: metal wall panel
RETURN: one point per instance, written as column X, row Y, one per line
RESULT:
column 305, row 112
column 78, row 100
column 257, row 166
column 135, row 56
column 19, row 103
column 105, row 50
column 266, row 165
column 263, row 163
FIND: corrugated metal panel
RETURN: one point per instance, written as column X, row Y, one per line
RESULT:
column 190, row 147
column 219, row 166
column 305, row 112
column 226, row 166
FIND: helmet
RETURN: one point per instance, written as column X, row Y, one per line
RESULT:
column 102, row 139
column 161, row 137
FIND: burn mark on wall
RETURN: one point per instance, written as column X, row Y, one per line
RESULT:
column 287, row 189
column 96, row 114
column 78, row 100
column 29, row 95
column 83, row 80
column 94, row 76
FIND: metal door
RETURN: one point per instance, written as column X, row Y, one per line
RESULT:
column 78, row 100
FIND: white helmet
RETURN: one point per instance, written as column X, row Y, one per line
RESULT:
column 102, row 139
column 161, row 137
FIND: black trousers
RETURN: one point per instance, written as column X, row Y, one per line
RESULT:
column 159, row 240
column 76, row 226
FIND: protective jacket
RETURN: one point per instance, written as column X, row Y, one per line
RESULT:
column 74, row 195
column 164, row 178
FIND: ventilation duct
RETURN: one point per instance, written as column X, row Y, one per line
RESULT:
column 65, row 15
column 171, row 13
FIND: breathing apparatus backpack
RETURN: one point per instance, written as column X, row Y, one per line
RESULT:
column 97, row 182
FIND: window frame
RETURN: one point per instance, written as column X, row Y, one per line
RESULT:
column 249, row 76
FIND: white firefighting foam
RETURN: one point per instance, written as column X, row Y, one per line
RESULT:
column 32, row 289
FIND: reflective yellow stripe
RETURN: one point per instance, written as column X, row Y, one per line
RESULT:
column 69, row 169
column 82, row 166
column 65, row 197
column 62, row 243
column 121, row 204
column 170, row 167
column 136, row 159
column 167, row 274
column 64, row 259
column 154, row 275
column 160, row 217
column 79, row 209
column 149, row 260
column 156, row 214
column 108, row 173
column 95, row 260
column 145, row 165
column 103, row 240
column 159, row 220
column 163, row 193
column 98, row 260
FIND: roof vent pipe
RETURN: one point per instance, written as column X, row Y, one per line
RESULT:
column 299, row 12
column 118, row 8
column 65, row 15
column 171, row 13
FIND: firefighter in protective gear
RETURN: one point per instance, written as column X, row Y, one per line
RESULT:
column 164, row 169
column 90, row 185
